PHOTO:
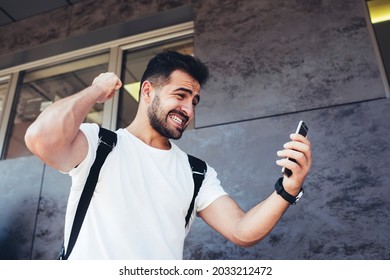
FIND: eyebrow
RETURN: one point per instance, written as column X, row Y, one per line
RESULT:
column 188, row 91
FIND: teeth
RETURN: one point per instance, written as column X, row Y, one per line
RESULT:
column 176, row 119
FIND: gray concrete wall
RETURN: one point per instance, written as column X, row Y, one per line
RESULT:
column 272, row 63
column 345, row 209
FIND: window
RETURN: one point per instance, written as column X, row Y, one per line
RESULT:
column 41, row 87
column 378, row 14
column 4, row 83
column 133, row 65
column 27, row 89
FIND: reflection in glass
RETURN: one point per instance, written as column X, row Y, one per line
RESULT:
column 3, row 95
column 40, row 88
column 133, row 66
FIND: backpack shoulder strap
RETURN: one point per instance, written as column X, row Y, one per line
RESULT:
column 199, row 169
column 107, row 141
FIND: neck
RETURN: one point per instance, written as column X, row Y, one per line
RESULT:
column 144, row 132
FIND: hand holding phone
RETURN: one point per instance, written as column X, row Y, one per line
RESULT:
column 301, row 129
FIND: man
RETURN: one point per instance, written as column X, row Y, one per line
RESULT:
column 145, row 186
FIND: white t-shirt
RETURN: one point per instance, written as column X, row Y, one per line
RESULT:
column 140, row 202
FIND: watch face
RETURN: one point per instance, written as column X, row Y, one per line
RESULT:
column 299, row 196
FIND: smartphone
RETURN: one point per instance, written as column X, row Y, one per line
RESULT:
column 301, row 129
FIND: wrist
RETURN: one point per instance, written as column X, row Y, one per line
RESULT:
column 96, row 92
column 291, row 198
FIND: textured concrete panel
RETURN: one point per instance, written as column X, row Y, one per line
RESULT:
column 87, row 25
column 272, row 57
column 91, row 15
column 345, row 209
column 20, row 184
column 34, row 31
column 51, row 215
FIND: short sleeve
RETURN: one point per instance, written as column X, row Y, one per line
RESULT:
column 80, row 172
column 211, row 190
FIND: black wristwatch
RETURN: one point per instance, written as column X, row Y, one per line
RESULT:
column 288, row 197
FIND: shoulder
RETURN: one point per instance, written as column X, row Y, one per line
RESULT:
column 211, row 188
column 90, row 129
column 91, row 132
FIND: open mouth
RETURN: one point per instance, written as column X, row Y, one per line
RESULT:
column 178, row 119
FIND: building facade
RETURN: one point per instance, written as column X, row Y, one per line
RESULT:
column 272, row 64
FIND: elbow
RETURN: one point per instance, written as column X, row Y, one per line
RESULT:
column 38, row 142
column 246, row 243
column 31, row 139
column 41, row 146
column 244, row 240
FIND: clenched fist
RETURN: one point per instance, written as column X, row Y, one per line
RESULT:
column 108, row 83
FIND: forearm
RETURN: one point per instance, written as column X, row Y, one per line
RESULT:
column 258, row 222
column 246, row 229
column 58, row 125
column 55, row 136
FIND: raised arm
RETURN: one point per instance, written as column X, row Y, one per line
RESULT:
column 246, row 229
column 55, row 136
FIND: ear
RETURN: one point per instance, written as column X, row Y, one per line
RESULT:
column 146, row 91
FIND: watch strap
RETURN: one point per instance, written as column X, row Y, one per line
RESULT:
column 282, row 192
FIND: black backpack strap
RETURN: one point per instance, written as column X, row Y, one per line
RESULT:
column 199, row 169
column 107, row 141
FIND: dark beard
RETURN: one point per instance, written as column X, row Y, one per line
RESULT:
column 158, row 120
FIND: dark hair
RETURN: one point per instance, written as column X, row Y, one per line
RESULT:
column 161, row 66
